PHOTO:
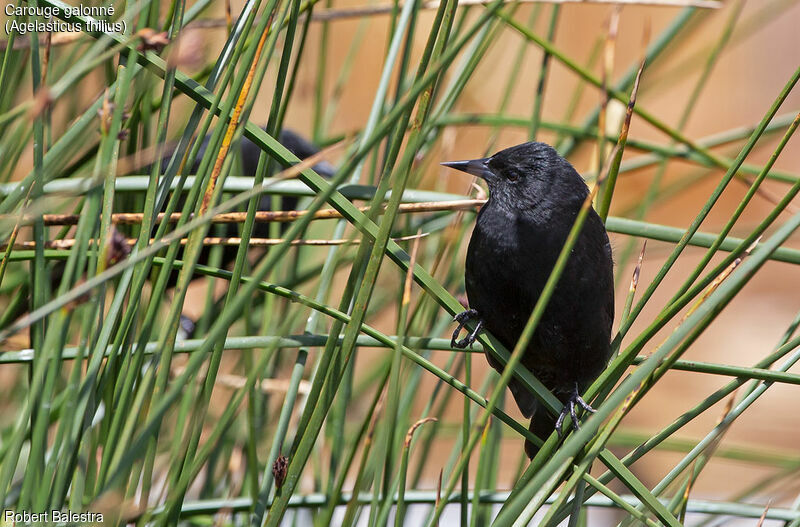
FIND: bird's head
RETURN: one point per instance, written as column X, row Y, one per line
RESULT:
column 526, row 176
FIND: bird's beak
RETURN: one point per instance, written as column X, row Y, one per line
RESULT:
column 476, row 167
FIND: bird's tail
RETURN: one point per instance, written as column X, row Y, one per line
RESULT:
column 542, row 425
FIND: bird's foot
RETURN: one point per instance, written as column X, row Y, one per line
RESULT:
column 462, row 319
column 574, row 400
column 186, row 327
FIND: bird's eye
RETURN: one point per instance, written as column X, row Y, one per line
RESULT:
column 512, row 176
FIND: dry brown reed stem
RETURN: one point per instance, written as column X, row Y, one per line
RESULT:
column 410, row 433
column 134, row 218
column 234, row 121
column 237, row 382
column 384, row 9
column 637, row 271
column 69, row 243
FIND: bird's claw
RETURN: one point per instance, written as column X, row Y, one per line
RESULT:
column 186, row 327
column 569, row 408
column 462, row 319
column 583, row 404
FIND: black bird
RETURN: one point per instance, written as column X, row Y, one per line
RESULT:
column 534, row 198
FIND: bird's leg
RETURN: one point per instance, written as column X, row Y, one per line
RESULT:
column 569, row 408
column 462, row 319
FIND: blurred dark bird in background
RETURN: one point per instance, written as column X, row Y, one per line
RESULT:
column 534, row 198
column 249, row 153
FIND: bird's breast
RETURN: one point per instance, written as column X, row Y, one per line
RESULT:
column 502, row 272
